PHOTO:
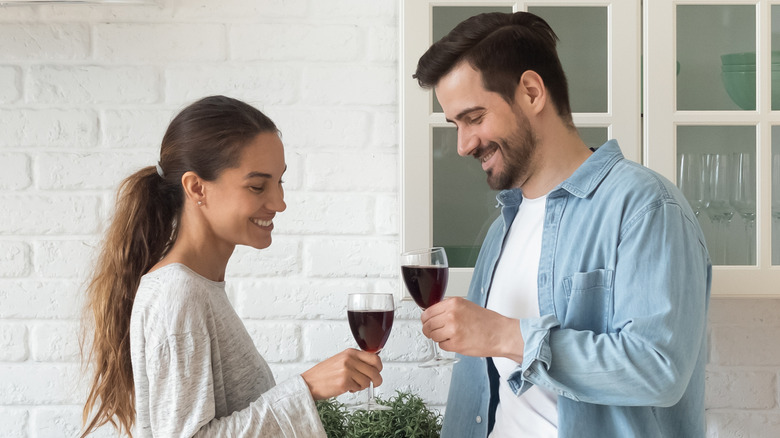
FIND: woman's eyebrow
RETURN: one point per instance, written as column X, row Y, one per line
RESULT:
column 261, row 174
column 257, row 175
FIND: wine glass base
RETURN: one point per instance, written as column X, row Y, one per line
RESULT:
column 371, row 407
column 438, row 361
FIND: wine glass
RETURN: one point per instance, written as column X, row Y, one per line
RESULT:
column 370, row 318
column 690, row 181
column 718, row 200
column 425, row 274
column 743, row 197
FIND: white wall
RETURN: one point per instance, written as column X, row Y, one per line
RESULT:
column 85, row 95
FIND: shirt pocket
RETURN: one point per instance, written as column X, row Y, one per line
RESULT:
column 589, row 296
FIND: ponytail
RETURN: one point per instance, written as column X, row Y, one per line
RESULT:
column 140, row 234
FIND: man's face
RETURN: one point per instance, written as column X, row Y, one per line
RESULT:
column 489, row 129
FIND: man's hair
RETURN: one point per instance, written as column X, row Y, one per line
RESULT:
column 502, row 47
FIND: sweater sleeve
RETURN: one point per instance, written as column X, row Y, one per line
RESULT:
column 182, row 401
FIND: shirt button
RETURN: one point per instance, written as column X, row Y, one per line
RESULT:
column 526, row 373
column 482, row 291
column 479, row 419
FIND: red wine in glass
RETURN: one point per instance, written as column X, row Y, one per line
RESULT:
column 426, row 284
column 370, row 318
column 371, row 328
column 425, row 273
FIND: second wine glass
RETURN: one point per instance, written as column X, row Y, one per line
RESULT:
column 425, row 274
column 743, row 198
column 719, row 207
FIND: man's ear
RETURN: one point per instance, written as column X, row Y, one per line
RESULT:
column 531, row 92
column 194, row 189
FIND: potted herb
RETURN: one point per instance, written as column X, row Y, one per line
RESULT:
column 407, row 418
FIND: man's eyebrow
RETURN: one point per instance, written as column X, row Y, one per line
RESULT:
column 466, row 111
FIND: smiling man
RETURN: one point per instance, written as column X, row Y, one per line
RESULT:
column 586, row 315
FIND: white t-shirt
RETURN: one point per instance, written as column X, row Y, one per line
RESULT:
column 514, row 293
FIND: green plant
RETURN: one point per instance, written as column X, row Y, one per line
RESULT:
column 407, row 418
column 334, row 417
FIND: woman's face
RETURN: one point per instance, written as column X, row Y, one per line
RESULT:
column 241, row 203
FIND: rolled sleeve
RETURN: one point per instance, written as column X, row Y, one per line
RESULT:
column 537, row 355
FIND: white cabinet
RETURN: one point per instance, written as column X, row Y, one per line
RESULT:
column 710, row 125
column 660, row 92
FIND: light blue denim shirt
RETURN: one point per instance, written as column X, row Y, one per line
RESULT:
column 624, row 285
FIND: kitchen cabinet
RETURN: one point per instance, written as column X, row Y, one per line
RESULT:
column 711, row 124
column 650, row 75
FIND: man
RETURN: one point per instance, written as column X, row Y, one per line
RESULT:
column 587, row 310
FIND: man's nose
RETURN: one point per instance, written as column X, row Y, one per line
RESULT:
column 467, row 142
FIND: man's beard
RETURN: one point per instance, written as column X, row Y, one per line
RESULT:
column 516, row 151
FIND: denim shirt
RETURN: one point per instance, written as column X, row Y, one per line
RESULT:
column 624, row 284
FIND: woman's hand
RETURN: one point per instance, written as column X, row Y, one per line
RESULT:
column 351, row 370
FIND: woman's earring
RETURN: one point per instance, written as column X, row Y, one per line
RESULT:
column 200, row 203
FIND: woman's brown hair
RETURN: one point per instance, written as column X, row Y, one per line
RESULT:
column 206, row 137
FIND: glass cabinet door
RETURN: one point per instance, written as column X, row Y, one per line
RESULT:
column 710, row 127
column 445, row 197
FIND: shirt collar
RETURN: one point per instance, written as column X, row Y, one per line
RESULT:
column 589, row 175
column 582, row 182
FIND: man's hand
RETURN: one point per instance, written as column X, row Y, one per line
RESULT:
column 351, row 370
column 463, row 327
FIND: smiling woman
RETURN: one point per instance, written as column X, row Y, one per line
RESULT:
column 170, row 355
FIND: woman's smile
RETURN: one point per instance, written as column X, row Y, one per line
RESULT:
column 264, row 224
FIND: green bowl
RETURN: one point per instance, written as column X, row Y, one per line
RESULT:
column 741, row 88
column 744, row 67
column 746, row 58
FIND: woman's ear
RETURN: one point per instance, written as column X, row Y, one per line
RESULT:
column 531, row 92
column 194, row 188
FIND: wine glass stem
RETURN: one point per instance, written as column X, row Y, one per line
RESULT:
column 751, row 255
column 435, row 348
column 722, row 237
column 371, row 400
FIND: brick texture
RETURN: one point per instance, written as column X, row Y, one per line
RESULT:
column 84, row 102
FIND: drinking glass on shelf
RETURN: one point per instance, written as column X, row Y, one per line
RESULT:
column 690, row 181
column 425, row 274
column 370, row 318
column 718, row 196
column 743, row 198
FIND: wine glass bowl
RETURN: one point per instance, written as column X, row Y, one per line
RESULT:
column 691, row 181
column 426, row 284
column 719, row 206
column 425, row 273
column 370, row 319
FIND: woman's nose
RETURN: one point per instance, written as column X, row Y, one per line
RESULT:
column 277, row 201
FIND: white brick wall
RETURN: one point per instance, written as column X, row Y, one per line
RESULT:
column 85, row 95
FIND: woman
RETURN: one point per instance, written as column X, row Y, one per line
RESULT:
column 169, row 352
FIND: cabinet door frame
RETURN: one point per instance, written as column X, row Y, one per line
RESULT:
column 662, row 118
column 622, row 118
